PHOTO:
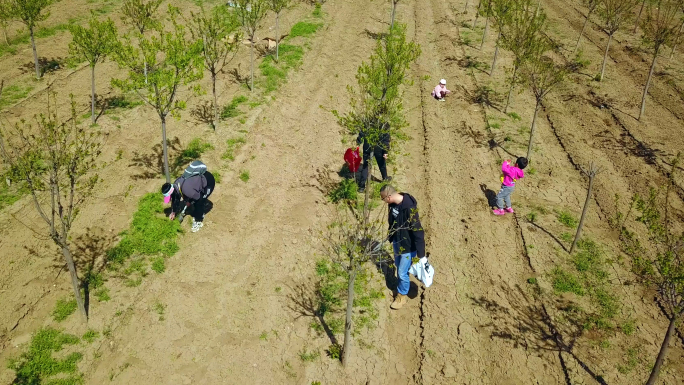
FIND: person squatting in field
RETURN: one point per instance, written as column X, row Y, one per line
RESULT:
column 510, row 175
column 380, row 152
column 193, row 188
column 406, row 235
column 440, row 91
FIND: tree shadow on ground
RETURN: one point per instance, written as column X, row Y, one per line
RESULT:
column 237, row 76
column 152, row 164
column 304, row 301
column 526, row 323
column 46, row 65
column 374, row 35
column 204, row 112
column 536, row 225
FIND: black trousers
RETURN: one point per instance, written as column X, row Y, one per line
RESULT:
column 199, row 207
column 382, row 165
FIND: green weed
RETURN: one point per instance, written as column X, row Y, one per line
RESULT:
column 37, row 365
column 150, row 234
column 345, row 191
column 278, row 289
column 63, row 309
column 102, row 294
column 232, row 145
column 564, row 282
column 567, row 219
column 290, row 56
column 160, row 308
column 335, row 351
column 531, row 171
column 317, row 11
column 567, row 237
column 244, row 175
column 193, row 151
column 159, row 264
column 231, row 110
column 628, row 327
column 309, row 357
column 14, row 93
column 303, row 29
column 532, row 281
column 263, row 336
column 514, row 116
column 631, row 361
column 217, row 176
column 90, row 336
column 532, row 217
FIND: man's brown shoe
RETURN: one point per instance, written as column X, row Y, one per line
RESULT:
column 399, row 301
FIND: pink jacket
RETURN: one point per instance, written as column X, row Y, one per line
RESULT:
column 440, row 91
column 510, row 173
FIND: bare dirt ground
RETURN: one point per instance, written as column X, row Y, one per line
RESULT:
column 236, row 294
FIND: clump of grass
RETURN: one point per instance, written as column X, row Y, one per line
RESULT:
column 244, row 175
column 514, row 116
column 14, row 93
column 304, row 28
column 122, row 102
column 263, row 336
column 631, row 361
column 335, row 351
column 63, row 309
column 38, row 366
column 532, row 216
column 150, row 234
column 317, row 10
column 232, row 145
column 346, row 190
column 217, row 176
column 231, row 110
column 193, row 151
column 159, row 264
column 309, row 357
column 90, row 336
column 532, row 281
column 160, row 308
column 102, row 294
column 567, row 219
column 531, row 171
column 567, row 237
column 290, row 56
column 564, row 282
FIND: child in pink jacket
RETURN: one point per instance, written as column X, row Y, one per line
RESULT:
column 510, row 175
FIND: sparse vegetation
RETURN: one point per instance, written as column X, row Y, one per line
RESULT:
column 63, row 309
column 90, row 336
column 38, row 366
column 232, row 145
column 567, row 219
column 244, row 175
column 231, row 110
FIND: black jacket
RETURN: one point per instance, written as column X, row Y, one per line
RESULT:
column 404, row 226
column 384, row 142
column 191, row 190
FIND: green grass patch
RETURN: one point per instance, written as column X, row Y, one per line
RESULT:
column 159, row 264
column 151, row 234
column 232, row 145
column 317, row 12
column 38, row 366
column 63, row 309
column 102, row 294
column 24, row 37
column 14, row 93
column 309, row 356
column 567, row 219
column 514, row 116
column 564, row 282
column 347, row 190
column 567, row 237
column 193, row 151
column 231, row 110
column 160, row 309
column 90, row 336
column 244, row 175
column 304, row 28
column 10, row 194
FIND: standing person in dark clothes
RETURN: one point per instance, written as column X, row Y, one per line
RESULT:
column 407, row 237
column 191, row 189
column 380, row 152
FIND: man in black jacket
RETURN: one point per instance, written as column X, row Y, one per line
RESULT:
column 193, row 188
column 380, row 152
column 407, row 237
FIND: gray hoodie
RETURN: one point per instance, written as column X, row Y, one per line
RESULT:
column 191, row 188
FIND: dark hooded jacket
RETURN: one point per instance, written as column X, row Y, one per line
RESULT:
column 190, row 190
column 404, row 226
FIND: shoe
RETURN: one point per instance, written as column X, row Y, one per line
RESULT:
column 509, row 210
column 196, row 226
column 399, row 301
column 388, row 179
column 361, row 190
column 498, row 212
column 441, row 100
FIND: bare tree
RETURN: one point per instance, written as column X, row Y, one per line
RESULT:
column 219, row 37
column 660, row 28
column 658, row 260
column 31, row 12
column 591, row 173
column 55, row 159
column 278, row 6
column 591, row 7
column 614, row 14
column 250, row 13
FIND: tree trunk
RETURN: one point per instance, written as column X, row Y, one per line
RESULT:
column 584, row 212
column 484, row 34
column 213, row 90
column 277, row 36
column 251, row 60
column 477, row 14
column 165, row 150
column 348, row 320
column 648, row 83
column 92, row 94
column 674, row 46
column 584, row 27
column 74, row 282
column 636, row 23
column 534, row 125
column 496, row 54
column 510, row 91
column 605, row 57
column 663, row 352
column 35, row 53
column 145, row 68
column 394, row 11
column 465, row 10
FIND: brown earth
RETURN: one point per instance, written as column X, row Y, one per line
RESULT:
column 480, row 323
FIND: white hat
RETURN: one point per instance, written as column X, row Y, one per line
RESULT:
column 443, row 81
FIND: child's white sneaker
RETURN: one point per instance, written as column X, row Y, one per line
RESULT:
column 196, row 226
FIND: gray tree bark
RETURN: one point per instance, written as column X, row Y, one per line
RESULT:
column 534, row 125
column 35, row 54
column 663, row 352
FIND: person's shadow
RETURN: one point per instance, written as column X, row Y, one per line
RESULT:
column 489, row 194
column 389, row 271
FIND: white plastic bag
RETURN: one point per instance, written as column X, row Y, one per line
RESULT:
column 423, row 271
